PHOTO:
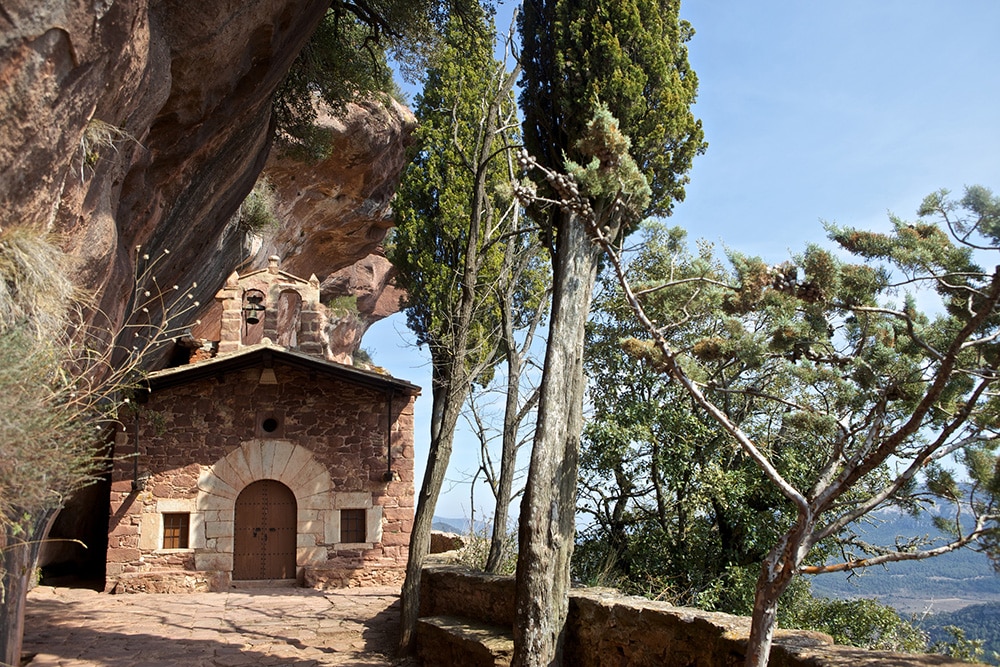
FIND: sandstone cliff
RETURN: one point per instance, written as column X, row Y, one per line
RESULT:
column 129, row 123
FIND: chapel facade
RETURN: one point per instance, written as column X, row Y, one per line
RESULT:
column 263, row 459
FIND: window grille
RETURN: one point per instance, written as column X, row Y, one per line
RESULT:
column 353, row 528
column 175, row 530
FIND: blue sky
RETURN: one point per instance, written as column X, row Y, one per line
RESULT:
column 838, row 111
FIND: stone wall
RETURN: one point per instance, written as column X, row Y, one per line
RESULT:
column 201, row 443
column 607, row 629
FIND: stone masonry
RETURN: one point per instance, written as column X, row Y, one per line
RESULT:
column 269, row 460
column 193, row 446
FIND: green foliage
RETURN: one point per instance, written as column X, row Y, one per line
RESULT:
column 341, row 62
column 610, row 169
column 627, row 59
column 833, row 381
column 430, row 244
column 859, row 622
column 960, row 647
column 343, row 305
column 258, row 213
column 677, row 509
column 345, row 60
column 970, row 633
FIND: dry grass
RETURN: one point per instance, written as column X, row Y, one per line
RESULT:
column 35, row 288
column 97, row 136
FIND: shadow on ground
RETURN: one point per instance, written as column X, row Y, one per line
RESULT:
column 300, row 628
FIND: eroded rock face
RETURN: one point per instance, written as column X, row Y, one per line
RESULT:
column 335, row 214
column 128, row 123
column 353, row 186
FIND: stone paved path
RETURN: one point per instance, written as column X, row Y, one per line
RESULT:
column 261, row 627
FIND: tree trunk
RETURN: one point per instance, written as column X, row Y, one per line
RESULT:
column 546, row 529
column 20, row 553
column 443, row 421
column 515, row 265
column 776, row 573
column 508, row 461
column 508, row 449
column 763, row 623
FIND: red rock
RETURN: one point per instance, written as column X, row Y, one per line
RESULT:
column 183, row 92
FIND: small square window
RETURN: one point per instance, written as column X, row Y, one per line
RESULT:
column 175, row 530
column 353, row 528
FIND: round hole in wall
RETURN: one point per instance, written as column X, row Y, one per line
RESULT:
column 270, row 425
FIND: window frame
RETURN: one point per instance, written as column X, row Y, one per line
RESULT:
column 354, row 523
column 176, row 536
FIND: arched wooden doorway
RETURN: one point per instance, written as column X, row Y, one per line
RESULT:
column 264, row 532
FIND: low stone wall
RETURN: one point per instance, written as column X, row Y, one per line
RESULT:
column 607, row 629
column 170, row 582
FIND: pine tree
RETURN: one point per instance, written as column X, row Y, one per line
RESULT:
column 874, row 394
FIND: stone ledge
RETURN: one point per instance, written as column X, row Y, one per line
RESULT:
column 168, row 582
column 450, row 641
column 607, row 629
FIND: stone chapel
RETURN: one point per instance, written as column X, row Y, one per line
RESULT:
column 264, row 460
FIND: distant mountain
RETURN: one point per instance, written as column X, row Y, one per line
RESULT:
column 941, row 584
column 460, row 526
column 978, row 622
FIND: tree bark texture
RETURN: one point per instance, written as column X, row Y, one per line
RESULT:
column 445, row 414
column 546, row 529
column 20, row 553
column 508, row 461
column 763, row 624
column 512, row 418
column 776, row 573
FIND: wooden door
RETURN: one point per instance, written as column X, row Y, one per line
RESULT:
column 264, row 532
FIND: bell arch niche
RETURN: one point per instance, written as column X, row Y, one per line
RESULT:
column 293, row 466
column 254, row 314
column 289, row 319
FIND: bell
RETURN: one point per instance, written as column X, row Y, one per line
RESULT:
column 252, row 309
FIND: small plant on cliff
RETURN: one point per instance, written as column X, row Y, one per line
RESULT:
column 362, row 358
column 340, row 306
column 97, row 136
column 259, row 211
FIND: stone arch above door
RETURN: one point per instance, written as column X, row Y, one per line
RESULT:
column 292, row 465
